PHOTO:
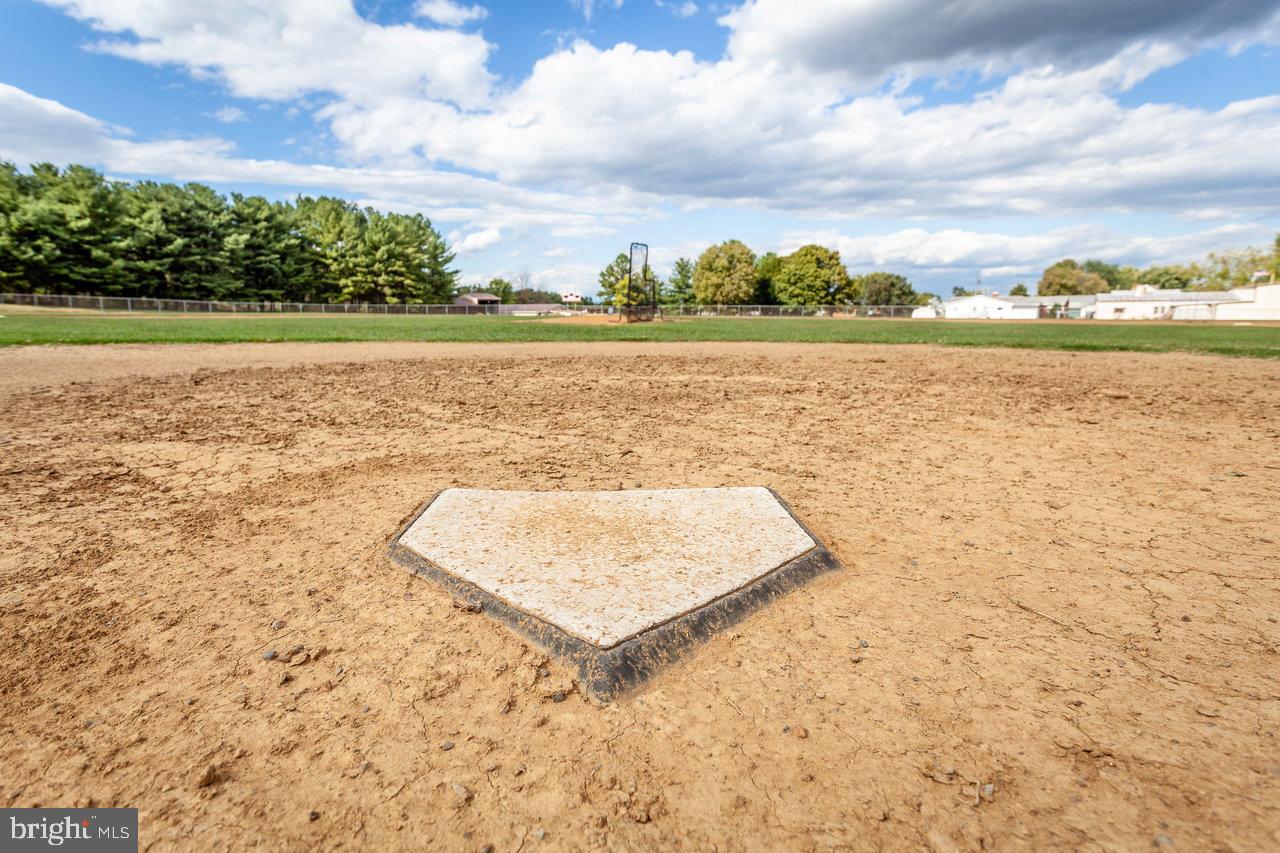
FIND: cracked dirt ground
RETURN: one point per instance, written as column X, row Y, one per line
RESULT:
column 1064, row 568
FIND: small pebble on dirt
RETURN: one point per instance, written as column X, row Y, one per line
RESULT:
column 191, row 701
column 864, row 643
column 857, row 658
column 277, row 625
column 207, row 777
column 313, row 815
column 541, row 833
column 1186, row 618
column 366, row 709
column 558, row 696
column 800, row 732
column 447, row 745
column 462, row 792
column 269, row 654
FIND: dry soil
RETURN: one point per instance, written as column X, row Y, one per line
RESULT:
column 1057, row 626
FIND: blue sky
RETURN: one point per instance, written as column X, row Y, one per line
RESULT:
column 937, row 139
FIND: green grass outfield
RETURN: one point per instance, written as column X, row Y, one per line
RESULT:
column 19, row 327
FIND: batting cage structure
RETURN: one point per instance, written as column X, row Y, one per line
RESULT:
column 642, row 286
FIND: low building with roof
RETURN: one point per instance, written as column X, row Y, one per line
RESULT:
column 477, row 298
column 1242, row 304
column 1145, row 302
column 993, row 306
column 989, row 306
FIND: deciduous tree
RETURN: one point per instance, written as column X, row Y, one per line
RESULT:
column 884, row 288
column 1069, row 278
column 725, row 274
column 813, row 275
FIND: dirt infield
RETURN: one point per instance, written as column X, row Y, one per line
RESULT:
column 1057, row 627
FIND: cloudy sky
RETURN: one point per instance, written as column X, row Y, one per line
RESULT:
column 942, row 139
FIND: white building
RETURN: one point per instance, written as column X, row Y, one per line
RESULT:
column 1145, row 302
column 1242, row 304
column 984, row 306
column 1074, row 305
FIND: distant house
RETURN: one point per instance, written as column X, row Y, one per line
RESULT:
column 1074, row 306
column 1242, row 304
column 477, row 298
column 990, row 306
column 993, row 306
column 571, row 297
column 1145, row 302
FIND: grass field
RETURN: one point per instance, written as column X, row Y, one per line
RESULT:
column 51, row 327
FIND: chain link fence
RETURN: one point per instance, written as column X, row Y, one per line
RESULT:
column 193, row 306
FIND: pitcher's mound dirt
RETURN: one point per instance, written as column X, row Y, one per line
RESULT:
column 1056, row 627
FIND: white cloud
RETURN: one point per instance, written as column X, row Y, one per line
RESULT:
column 917, row 250
column 449, row 13
column 593, row 139
column 38, row 130
column 588, row 7
column 873, row 38
column 476, row 241
column 227, row 115
column 288, row 48
column 686, row 9
column 34, row 129
column 1045, row 142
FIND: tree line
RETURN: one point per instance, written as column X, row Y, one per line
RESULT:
column 73, row 231
column 1218, row 271
column 729, row 273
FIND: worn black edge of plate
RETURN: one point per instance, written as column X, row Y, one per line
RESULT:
column 606, row 674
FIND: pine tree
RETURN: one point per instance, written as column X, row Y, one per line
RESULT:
column 679, row 287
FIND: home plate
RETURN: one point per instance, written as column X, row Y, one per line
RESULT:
column 620, row 583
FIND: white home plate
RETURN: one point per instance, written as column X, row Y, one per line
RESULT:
column 618, row 581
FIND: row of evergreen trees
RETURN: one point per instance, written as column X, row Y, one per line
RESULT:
column 73, row 231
